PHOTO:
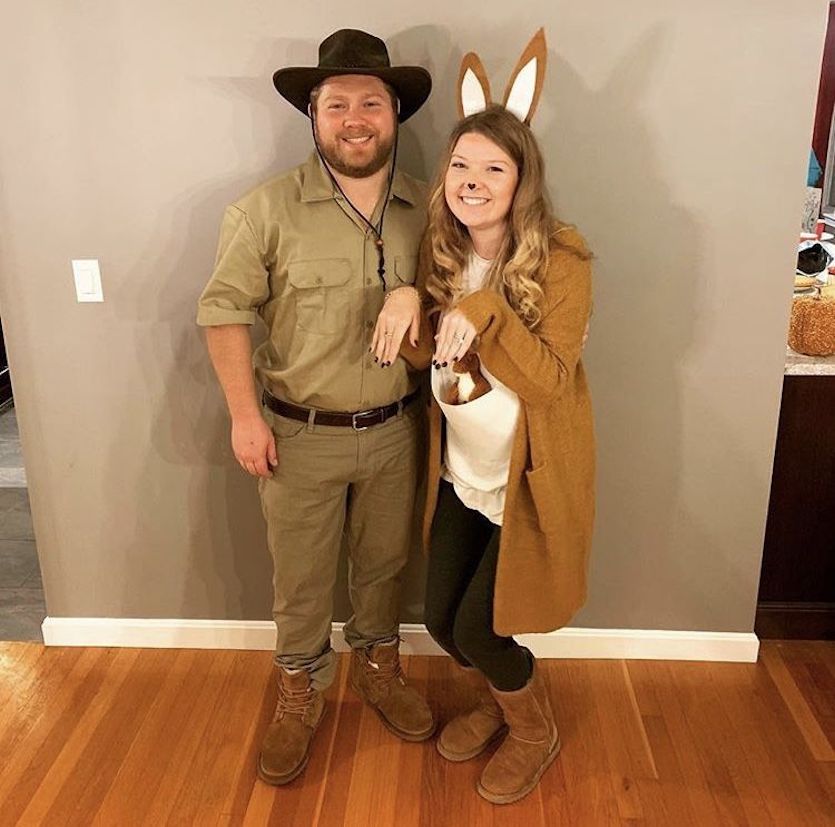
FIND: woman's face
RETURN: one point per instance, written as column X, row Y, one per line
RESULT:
column 480, row 182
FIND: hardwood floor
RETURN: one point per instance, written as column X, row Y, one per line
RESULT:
column 153, row 737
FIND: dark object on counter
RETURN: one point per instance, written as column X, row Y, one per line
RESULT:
column 813, row 260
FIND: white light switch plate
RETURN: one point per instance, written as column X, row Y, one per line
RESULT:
column 87, row 279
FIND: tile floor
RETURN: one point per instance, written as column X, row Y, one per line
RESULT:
column 22, row 607
column 12, row 472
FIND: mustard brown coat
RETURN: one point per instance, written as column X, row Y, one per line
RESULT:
column 541, row 578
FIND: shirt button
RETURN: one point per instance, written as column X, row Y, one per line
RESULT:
column 319, row 280
column 368, row 281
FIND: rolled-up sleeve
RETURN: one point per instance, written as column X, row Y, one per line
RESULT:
column 239, row 284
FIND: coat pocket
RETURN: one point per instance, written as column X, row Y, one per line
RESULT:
column 546, row 499
column 321, row 300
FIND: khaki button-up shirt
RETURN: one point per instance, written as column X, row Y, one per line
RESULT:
column 294, row 253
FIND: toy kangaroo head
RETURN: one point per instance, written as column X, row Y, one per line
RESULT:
column 523, row 89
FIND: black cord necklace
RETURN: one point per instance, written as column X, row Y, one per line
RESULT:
column 377, row 230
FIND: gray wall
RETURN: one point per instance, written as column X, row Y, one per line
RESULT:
column 677, row 136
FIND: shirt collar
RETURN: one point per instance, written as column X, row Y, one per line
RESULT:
column 317, row 185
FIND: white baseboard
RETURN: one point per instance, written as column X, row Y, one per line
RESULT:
column 630, row 644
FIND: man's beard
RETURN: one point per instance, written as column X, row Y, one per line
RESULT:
column 332, row 153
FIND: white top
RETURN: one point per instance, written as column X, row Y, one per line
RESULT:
column 479, row 434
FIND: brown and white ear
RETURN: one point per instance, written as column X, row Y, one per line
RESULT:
column 525, row 86
column 473, row 86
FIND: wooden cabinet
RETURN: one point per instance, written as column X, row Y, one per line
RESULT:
column 797, row 588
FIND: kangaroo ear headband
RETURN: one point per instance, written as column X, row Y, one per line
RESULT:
column 522, row 93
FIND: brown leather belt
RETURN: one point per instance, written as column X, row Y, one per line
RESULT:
column 359, row 421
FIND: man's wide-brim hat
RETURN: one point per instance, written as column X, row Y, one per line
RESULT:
column 352, row 52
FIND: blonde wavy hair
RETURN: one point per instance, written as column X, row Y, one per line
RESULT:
column 518, row 269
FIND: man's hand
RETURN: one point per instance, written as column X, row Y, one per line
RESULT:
column 254, row 445
column 400, row 313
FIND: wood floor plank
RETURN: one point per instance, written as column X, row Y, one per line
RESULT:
column 811, row 667
column 372, row 790
column 150, row 754
column 408, row 774
column 773, row 746
column 579, row 789
column 127, row 737
column 119, row 664
column 186, row 743
column 333, row 804
column 97, row 765
column 797, row 704
column 30, row 693
column 18, row 670
column 678, row 764
column 227, row 743
column 47, row 722
column 624, row 738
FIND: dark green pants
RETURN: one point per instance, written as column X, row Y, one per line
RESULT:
column 459, row 594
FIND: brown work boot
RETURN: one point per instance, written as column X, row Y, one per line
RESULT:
column 377, row 678
column 529, row 748
column 470, row 733
column 286, row 745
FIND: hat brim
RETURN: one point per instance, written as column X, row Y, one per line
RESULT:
column 411, row 83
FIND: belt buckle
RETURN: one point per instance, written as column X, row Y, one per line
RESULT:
column 361, row 427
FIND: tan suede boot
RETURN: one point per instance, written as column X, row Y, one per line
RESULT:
column 377, row 678
column 286, row 745
column 470, row 733
column 529, row 748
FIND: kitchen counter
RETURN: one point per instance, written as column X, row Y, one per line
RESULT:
column 799, row 365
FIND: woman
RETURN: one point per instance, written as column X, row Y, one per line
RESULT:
column 510, row 493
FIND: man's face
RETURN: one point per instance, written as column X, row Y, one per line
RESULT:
column 355, row 122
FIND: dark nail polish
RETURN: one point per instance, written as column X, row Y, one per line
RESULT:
column 443, row 364
column 387, row 364
column 376, row 359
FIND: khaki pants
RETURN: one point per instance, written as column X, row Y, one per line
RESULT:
column 331, row 480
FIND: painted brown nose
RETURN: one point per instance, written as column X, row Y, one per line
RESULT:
column 471, row 186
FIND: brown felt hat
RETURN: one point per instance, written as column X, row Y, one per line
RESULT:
column 352, row 52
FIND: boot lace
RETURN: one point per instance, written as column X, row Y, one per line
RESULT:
column 293, row 701
column 387, row 672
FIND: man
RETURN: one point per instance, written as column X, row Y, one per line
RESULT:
column 313, row 253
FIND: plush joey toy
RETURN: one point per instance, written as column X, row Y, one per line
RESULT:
column 469, row 383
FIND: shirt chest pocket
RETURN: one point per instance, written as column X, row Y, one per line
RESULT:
column 320, row 292
column 405, row 268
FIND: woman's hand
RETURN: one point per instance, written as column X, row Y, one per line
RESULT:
column 454, row 338
column 400, row 313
